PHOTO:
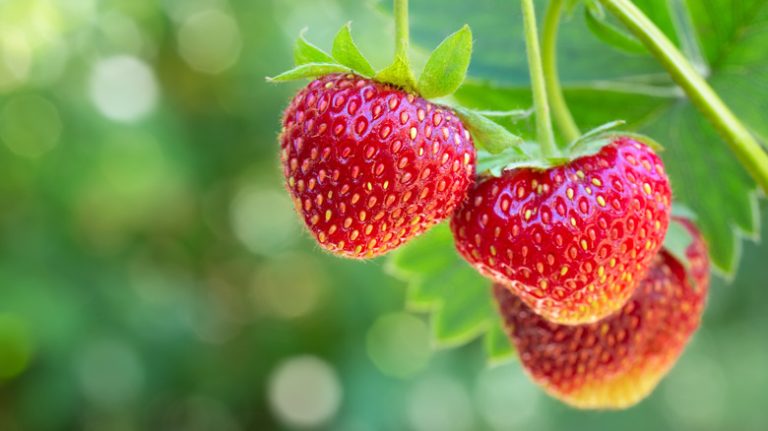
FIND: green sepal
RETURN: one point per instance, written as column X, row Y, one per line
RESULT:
column 398, row 74
column 647, row 140
column 447, row 65
column 346, row 52
column 592, row 134
column 511, row 158
column 488, row 134
column 609, row 33
column 593, row 141
column 309, row 70
column 304, row 52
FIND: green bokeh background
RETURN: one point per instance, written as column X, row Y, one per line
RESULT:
column 153, row 274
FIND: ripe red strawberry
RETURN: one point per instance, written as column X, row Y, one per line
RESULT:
column 572, row 241
column 618, row 361
column 370, row 166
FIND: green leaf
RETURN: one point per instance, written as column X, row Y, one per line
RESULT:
column 441, row 283
column 346, row 52
column 488, row 134
column 710, row 181
column 612, row 35
column 447, row 66
column 399, row 74
column 305, row 52
column 309, row 70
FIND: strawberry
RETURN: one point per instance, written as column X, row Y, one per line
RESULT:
column 370, row 166
column 574, row 240
column 618, row 361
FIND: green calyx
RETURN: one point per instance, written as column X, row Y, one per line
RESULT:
column 528, row 154
column 443, row 73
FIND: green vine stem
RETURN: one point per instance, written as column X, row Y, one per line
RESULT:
column 742, row 143
column 544, row 133
column 401, row 29
column 560, row 111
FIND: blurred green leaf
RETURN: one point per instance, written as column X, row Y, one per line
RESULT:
column 441, row 283
column 499, row 47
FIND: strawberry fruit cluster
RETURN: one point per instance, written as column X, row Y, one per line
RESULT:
column 596, row 305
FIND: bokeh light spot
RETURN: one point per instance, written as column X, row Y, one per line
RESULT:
column 15, row 60
column 110, row 373
column 304, row 392
column 507, row 399
column 264, row 220
column 200, row 413
column 398, row 344
column 439, row 403
column 15, row 346
column 30, row 125
column 695, row 393
column 123, row 88
column 290, row 285
column 209, row 41
column 122, row 32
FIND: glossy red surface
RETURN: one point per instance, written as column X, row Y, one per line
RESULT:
column 619, row 360
column 369, row 166
column 572, row 241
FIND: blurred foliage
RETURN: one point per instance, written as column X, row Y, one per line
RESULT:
column 153, row 275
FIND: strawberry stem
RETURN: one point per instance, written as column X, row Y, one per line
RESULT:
column 560, row 111
column 544, row 132
column 742, row 143
column 401, row 29
column 399, row 73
